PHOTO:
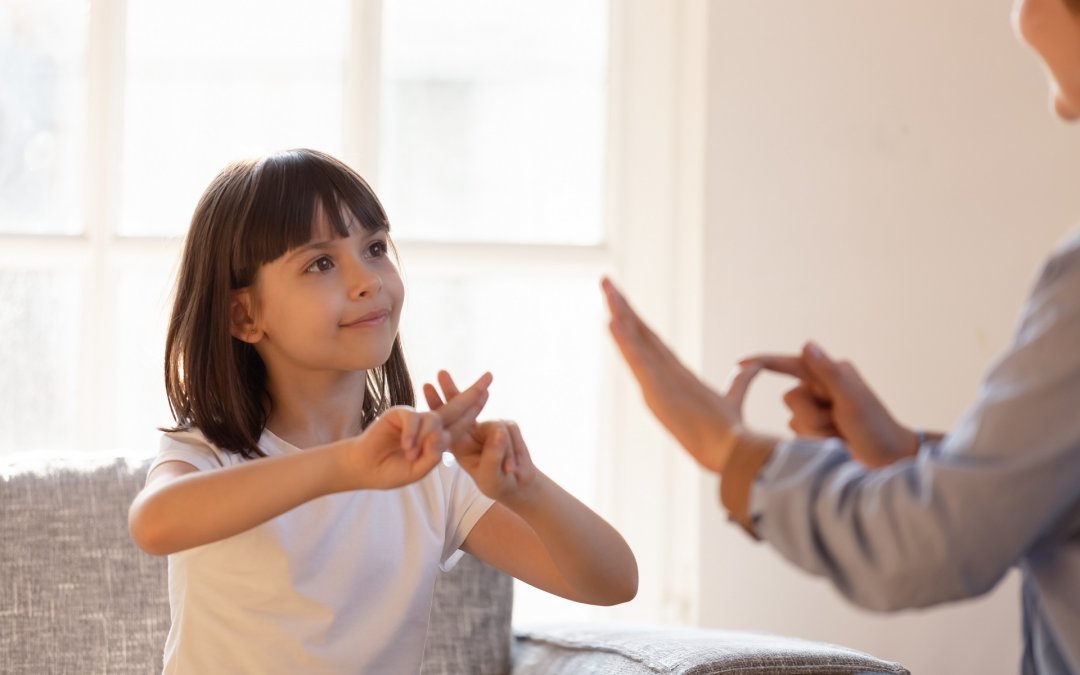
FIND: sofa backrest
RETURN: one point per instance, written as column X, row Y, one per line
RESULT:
column 77, row 596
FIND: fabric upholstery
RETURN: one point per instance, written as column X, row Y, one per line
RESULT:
column 76, row 595
column 641, row 650
column 470, row 621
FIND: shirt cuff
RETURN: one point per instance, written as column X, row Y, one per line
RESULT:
column 738, row 478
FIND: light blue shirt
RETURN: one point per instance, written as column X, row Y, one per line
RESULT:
column 1001, row 490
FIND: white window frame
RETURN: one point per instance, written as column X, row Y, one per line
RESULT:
column 654, row 203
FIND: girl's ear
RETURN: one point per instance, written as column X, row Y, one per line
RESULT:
column 241, row 318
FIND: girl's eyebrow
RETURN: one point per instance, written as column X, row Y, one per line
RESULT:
column 329, row 243
column 313, row 246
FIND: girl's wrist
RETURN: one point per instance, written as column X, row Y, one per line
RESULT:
column 337, row 464
column 527, row 496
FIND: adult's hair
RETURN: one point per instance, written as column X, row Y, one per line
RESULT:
column 253, row 212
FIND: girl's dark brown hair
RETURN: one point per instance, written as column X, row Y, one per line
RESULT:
column 252, row 213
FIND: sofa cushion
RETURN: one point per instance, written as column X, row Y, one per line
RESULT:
column 76, row 595
column 632, row 650
column 470, row 621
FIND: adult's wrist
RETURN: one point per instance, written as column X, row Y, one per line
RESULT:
column 749, row 453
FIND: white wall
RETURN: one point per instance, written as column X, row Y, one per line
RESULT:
column 883, row 177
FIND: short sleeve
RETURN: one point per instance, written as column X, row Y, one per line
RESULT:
column 190, row 447
column 465, row 505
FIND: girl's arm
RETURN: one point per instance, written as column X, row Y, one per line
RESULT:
column 550, row 540
column 536, row 531
column 181, row 507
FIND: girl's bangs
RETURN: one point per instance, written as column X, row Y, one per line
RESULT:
column 291, row 190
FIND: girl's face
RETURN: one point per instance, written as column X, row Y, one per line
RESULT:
column 332, row 305
column 1053, row 31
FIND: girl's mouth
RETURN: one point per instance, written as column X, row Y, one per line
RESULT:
column 376, row 318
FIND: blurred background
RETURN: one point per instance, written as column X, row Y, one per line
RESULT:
column 883, row 177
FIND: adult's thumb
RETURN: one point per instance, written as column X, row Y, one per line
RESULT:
column 822, row 367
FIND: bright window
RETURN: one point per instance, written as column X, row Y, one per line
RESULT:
column 486, row 126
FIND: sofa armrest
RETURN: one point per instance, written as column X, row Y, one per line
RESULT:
column 629, row 649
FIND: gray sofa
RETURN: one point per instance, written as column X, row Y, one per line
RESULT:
column 76, row 596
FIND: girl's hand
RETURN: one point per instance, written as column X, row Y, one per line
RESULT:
column 705, row 422
column 403, row 445
column 493, row 453
column 832, row 399
column 398, row 448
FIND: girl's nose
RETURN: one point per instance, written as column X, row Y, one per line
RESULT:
column 364, row 280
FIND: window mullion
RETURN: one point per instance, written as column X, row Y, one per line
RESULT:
column 362, row 85
column 105, row 65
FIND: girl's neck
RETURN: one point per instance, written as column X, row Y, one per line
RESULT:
column 316, row 409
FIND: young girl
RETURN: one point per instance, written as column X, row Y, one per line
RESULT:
column 300, row 498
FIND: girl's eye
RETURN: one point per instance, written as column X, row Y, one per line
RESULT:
column 378, row 249
column 321, row 264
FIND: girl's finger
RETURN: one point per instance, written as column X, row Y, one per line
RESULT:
column 431, row 394
column 456, row 405
column 425, row 463
column 462, row 424
column 520, row 450
column 430, row 428
column 410, row 423
column 447, row 383
column 496, row 442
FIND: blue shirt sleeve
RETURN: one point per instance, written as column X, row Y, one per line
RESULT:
column 949, row 523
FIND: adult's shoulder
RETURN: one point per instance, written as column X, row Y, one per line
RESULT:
column 1064, row 261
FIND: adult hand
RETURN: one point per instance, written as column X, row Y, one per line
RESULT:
column 832, row 399
column 707, row 423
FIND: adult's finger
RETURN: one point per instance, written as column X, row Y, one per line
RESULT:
column 648, row 358
column 631, row 326
column 739, row 382
column 784, row 364
column 823, row 369
column 809, row 415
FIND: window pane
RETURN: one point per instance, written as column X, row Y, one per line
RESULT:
column 142, row 309
column 541, row 337
column 213, row 81
column 39, row 365
column 493, row 119
column 42, row 115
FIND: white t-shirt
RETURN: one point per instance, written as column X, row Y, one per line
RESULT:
column 340, row 584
